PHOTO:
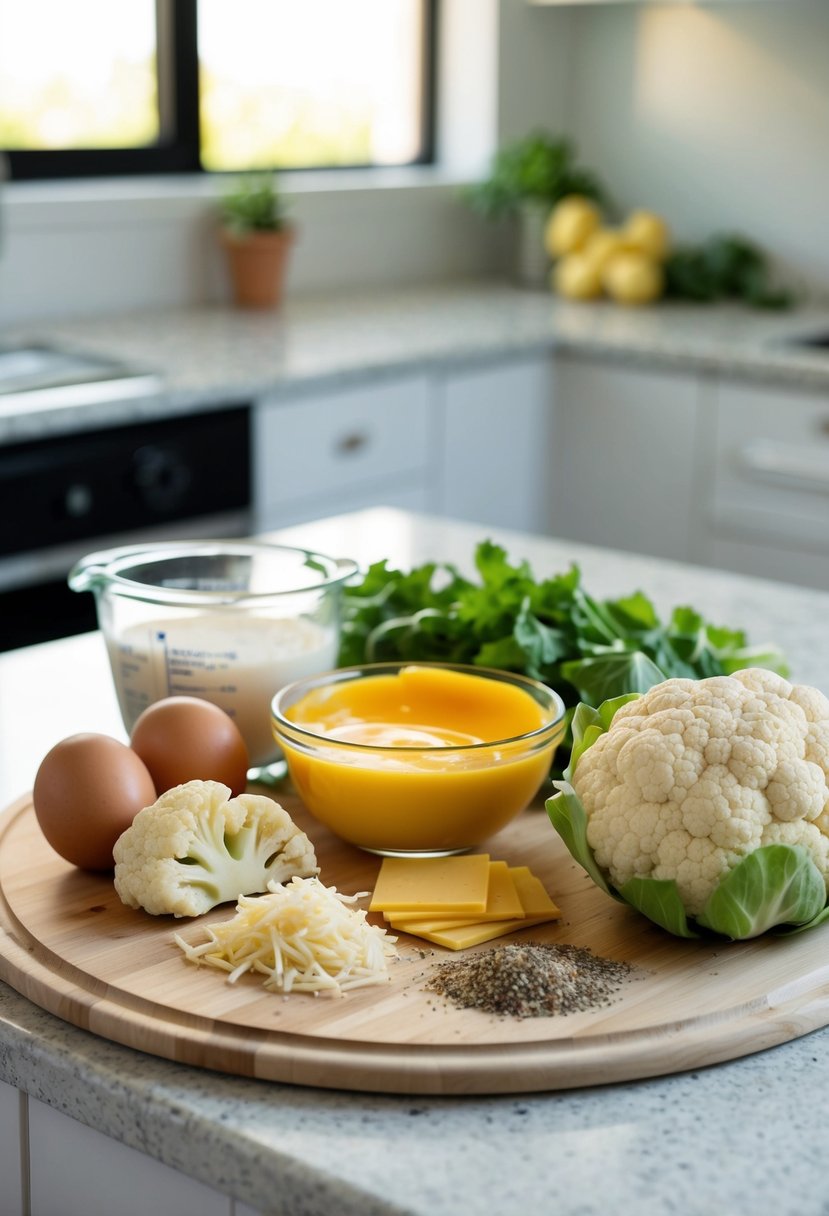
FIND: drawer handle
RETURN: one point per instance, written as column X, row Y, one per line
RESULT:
column 352, row 443
column 797, row 468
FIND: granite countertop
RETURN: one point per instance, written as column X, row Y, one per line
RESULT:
column 211, row 356
column 744, row 1138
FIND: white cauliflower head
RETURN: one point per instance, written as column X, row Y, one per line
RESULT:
column 197, row 847
column 696, row 774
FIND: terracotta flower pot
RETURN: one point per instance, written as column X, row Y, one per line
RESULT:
column 258, row 263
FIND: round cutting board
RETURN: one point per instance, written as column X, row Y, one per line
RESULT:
column 69, row 945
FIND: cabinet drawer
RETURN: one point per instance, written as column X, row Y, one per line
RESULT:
column 324, row 445
column 772, row 466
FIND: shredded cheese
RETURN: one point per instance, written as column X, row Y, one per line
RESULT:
column 301, row 936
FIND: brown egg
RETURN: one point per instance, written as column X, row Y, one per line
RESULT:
column 87, row 791
column 186, row 739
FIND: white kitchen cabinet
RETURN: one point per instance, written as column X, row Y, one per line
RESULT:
column 324, row 453
column 767, row 512
column 627, row 457
column 11, row 1159
column 76, row 1171
column 472, row 443
column 669, row 463
column 497, row 442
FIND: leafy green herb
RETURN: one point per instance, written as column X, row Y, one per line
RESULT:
column 551, row 629
column 599, row 679
column 254, row 203
column 723, row 268
column 538, row 168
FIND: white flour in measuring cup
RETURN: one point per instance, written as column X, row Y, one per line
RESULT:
column 237, row 662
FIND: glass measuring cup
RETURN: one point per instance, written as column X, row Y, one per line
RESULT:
column 229, row 621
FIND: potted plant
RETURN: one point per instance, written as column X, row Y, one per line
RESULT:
column 257, row 238
column 527, row 178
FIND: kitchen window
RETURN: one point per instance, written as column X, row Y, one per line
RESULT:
column 93, row 88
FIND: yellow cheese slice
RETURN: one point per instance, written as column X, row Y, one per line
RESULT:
column 535, row 901
column 503, row 903
column 460, row 937
column 432, row 884
column 530, row 890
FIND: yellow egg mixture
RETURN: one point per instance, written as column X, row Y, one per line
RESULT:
column 418, row 783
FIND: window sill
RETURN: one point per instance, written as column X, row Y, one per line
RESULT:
column 32, row 205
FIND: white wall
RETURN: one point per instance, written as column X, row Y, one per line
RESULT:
column 536, row 48
column 85, row 249
column 716, row 115
column 93, row 247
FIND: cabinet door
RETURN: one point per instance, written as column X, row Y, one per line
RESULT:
column 10, row 1154
column 325, row 453
column 497, row 444
column 769, row 511
column 76, row 1171
column 626, row 457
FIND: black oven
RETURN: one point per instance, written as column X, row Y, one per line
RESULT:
column 64, row 496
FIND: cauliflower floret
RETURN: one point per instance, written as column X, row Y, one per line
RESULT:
column 720, row 808
column 761, row 680
column 817, row 744
column 751, row 759
column 625, row 842
column 695, row 864
column 698, row 774
column 657, row 763
column 797, row 790
column 197, row 847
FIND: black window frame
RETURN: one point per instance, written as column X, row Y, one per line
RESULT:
column 178, row 149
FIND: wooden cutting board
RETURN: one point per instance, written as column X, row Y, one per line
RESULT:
column 70, row 946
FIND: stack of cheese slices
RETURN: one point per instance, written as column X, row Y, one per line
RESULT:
column 459, row 901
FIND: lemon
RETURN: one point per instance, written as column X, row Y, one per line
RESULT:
column 648, row 232
column 633, row 278
column 570, row 223
column 602, row 244
column 576, row 277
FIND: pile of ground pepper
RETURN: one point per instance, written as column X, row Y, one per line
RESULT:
column 531, row 980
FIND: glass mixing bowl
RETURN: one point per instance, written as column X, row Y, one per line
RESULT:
column 417, row 759
column 229, row 621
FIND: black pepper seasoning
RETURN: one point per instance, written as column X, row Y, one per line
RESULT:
column 530, row 980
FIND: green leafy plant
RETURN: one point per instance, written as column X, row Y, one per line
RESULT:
column 539, row 168
column 551, row 629
column 777, row 886
column 254, row 204
column 723, row 268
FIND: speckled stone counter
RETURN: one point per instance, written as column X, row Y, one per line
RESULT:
column 741, row 1139
column 211, row 357
column 745, row 1138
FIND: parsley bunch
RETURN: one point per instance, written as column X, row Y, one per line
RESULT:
column 553, row 630
column 540, row 168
